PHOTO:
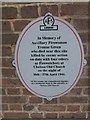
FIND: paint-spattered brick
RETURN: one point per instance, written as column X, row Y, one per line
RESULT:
column 9, row 12
column 29, row 11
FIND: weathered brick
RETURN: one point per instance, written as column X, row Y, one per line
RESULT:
column 28, row 107
column 8, row 73
column 84, row 37
column 20, row 24
column 73, row 108
column 13, row 91
column 51, row 115
column 9, row 12
column 86, row 91
column 53, row 101
column 88, row 60
column 9, row 39
column 72, row 115
column 16, row 115
column 6, row 27
column 75, row 91
column 53, row 9
column 35, row 100
column 3, row 91
column 4, row 107
column 14, row 99
column 7, row 62
column 16, row 107
column 52, row 107
column 11, row 83
column 26, row 92
column 29, row 11
column 6, row 51
column 85, row 108
column 80, row 24
column 74, row 9
column 82, row 82
column 74, row 99
column 36, row 115
column 85, row 46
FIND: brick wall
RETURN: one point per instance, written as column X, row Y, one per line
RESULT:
column 17, row 102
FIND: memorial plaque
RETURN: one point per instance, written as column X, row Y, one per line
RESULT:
column 49, row 57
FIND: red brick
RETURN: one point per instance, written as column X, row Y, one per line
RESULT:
column 29, row 11
column 14, row 99
column 74, row 99
column 6, row 27
column 6, row 51
column 88, row 60
column 84, row 37
column 4, row 107
column 35, row 100
column 11, row 83
column 82, row 82
column 16, row 115
column 19, row 25
column 3, row 91
column 80, row 24
column 9, row 39
column 28, row 107
column 51, row 115
column 53, row 101
column 26, row 92
column 72, row 115
column 36, row 115
column 9, row 12
column 9, row 73
column 73, row 108
column 53, row 9
column 85, row 46
column 16, row 107
column 13, row 91
column 86, row 108
column 86, row 91
column 7, row 62
column 74, row 9
column 52, row 108
column 75, row 91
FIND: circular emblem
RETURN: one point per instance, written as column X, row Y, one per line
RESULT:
column 48, row 20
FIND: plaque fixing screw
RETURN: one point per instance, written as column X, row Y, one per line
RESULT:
column 85, row 62
column 13, row 63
